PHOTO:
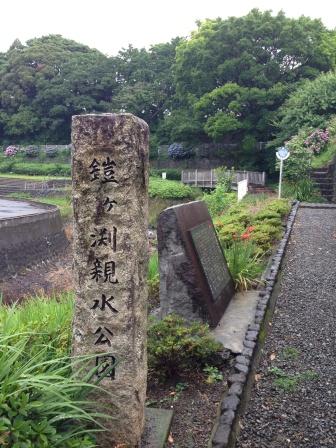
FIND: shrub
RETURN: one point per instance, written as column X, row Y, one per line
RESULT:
column 42, row 403
column 267, row 214
column 281, row 206
column 31, row 151
column 174, row 347
column 302, row 190
column 178, row 151
column 230, row 232
column 169, row 189
column 264, row 235
column 11, row 151
column 244, row 264
column 36, row 169
column 316, row 141
column 218, row 201
column 224, row 178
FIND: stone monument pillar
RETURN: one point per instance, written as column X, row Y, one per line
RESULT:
column 110, row 182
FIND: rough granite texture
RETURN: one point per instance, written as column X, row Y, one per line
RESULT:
column 110, row 160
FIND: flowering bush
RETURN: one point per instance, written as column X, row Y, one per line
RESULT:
column 246, row 235
column 10, row 151
column 317, row 140
column 178, row 151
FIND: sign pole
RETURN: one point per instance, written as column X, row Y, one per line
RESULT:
column 280, row 178
column 281, row 154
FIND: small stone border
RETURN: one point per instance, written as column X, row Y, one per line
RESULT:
column 241, row 379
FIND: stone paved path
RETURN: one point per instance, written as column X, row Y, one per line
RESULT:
column 293, row 402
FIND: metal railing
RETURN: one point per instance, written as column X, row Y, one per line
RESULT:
column 208, row 179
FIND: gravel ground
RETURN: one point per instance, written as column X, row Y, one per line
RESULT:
column 293, row 402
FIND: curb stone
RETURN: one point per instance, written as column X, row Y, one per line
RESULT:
column 225, row 432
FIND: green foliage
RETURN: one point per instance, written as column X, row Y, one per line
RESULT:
column 303, row 190
column 265, row 235
column 244, row 264
column 219, row 200
column 48, row 321
column 290, row 382
column 153, row 282
column 42, row 403
column 230, row 232
column 290, row 353
column 327, row 156
column 213, row 374
column 169, row 189
column 311, row 105
column 175, row 346
column 34, row 168
column 224, row 178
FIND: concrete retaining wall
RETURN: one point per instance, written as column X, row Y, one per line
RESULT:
column 29, row 239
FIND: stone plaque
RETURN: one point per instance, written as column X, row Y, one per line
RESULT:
column 110, row 197
column 194, row 278
column 211, row 258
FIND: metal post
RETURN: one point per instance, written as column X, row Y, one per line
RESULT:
column 196, row 178
column 280, row 178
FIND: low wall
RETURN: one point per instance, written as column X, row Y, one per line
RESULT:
column 29, row 239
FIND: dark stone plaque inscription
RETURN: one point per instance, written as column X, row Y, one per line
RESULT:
column 211, row 257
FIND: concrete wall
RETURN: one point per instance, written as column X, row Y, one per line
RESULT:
column 25, row 240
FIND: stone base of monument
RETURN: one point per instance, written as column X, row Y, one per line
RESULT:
column 232, row 327
column 157, row 428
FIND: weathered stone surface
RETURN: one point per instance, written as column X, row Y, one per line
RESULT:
column 236, row 389
column 230, row 403
column 254, row 327
column 251, row 335
column 236, row 378
column 194, row 279
column 110, row 179
column 242, row 360
column 249, row 344
column 241, row 368
column 221, row 437
column 247, row 352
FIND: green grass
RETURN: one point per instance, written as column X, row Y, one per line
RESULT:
column 290, row 353
column 290, row 382
column 42, row 402
column 34, row 168
column 325, row 157
column 153, row 267
column 244, row 265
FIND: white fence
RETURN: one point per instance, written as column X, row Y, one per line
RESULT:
column 207, row 178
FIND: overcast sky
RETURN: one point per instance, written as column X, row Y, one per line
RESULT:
column 109, row 25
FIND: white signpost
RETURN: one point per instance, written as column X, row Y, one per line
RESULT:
column 242, row 189
column 282, row 154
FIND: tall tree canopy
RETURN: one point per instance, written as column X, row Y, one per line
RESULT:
column 48, row 80
column 232, row 75
column 226, row 83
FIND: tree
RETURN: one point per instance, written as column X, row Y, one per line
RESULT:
column 146, row 81
column 47, row 81
column 311, row 105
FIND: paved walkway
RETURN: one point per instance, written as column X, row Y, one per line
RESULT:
column 12, row 209
column 293, row 402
